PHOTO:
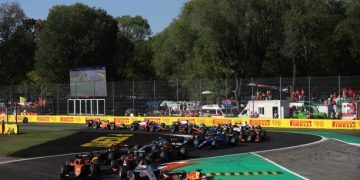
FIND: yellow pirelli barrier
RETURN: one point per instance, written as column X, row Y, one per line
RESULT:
column 208, row 121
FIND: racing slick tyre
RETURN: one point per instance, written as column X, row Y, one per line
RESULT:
column 133, row 128
column 111, row 156
column 95, row 125
column 214, row 144
column 173, row 129
column 114, row 163
column 150, row 157
column 25, row 120
column 183, row 152
column 136, row 147
column 189, row 130
column 132, row 176
column 123, row 171
column 63, row 172
column 196, row 142
column 154, row 147
column 164, row 156
column 203, row 130
column 151, row 128
column 234, row 141
column 93, row 171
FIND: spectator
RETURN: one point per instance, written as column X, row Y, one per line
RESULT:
column 302, row 93
column 343, row 93
column 297, row 94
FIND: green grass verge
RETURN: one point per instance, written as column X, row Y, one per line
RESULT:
column 27, row 138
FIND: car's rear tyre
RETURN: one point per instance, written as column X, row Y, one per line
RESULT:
column 173, row 129
column 111, row 156
column 132, row 176
column 93, row 170
column 132, row 128
column 183, row 152
column 114, row 163
column 123, row 172
column 164, row 156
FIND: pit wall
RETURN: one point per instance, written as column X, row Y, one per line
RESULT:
column 276, row 123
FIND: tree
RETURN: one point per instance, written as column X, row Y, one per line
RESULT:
column 76, row 36
column 309, row 26
column 136, row 30
column 347, row 36
column 17, row 44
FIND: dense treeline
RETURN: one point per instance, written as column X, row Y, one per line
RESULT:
column 210, row 39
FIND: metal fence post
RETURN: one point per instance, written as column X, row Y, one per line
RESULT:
column 113, row 98
column 154, row 97
column 309, row 97
column 339, row 80
column 133, row 96
column 177, row 90
column 57, row 98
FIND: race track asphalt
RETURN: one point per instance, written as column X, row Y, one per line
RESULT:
column 48, row 168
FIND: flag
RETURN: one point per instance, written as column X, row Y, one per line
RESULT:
column 22, row 100
column 40, row 102
column 285, row 90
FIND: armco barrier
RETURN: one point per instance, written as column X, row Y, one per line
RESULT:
column 277, row 123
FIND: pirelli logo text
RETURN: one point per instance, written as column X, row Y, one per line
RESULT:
column 155, row 120
column 264, row 123
column 43, row 119
column 122, row 120
column 300, row 123
column 67, row 119
column 221, row 121
column 343, row 124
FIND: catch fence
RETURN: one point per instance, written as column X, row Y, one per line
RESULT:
column 145, row 97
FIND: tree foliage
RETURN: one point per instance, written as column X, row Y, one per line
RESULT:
column 75, row 36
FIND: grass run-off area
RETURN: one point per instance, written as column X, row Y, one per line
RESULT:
column 27, row 138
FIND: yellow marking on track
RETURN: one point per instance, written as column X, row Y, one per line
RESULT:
column 246, row 173
column 255, row 173
column 227, row 174
column 237, row 174
column 106, row 141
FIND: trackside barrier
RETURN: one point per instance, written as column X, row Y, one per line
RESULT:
column 9, row 129
column 276, row 123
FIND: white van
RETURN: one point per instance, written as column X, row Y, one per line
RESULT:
column 214, row 110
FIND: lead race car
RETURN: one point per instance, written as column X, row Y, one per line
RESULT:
column 84, row 166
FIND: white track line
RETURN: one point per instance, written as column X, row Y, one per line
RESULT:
column 353, row 144
column 35, row 158
column 281, row 167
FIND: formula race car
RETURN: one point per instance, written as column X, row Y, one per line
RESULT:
column 103, row 124
column 84, row 166
column 183, row 175
column 188, row 128
column 154, row 127
column 140, row 125
column 167, row 151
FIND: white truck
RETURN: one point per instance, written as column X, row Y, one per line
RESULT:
column 266, row 109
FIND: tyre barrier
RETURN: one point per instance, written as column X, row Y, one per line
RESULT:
column 9, row 129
